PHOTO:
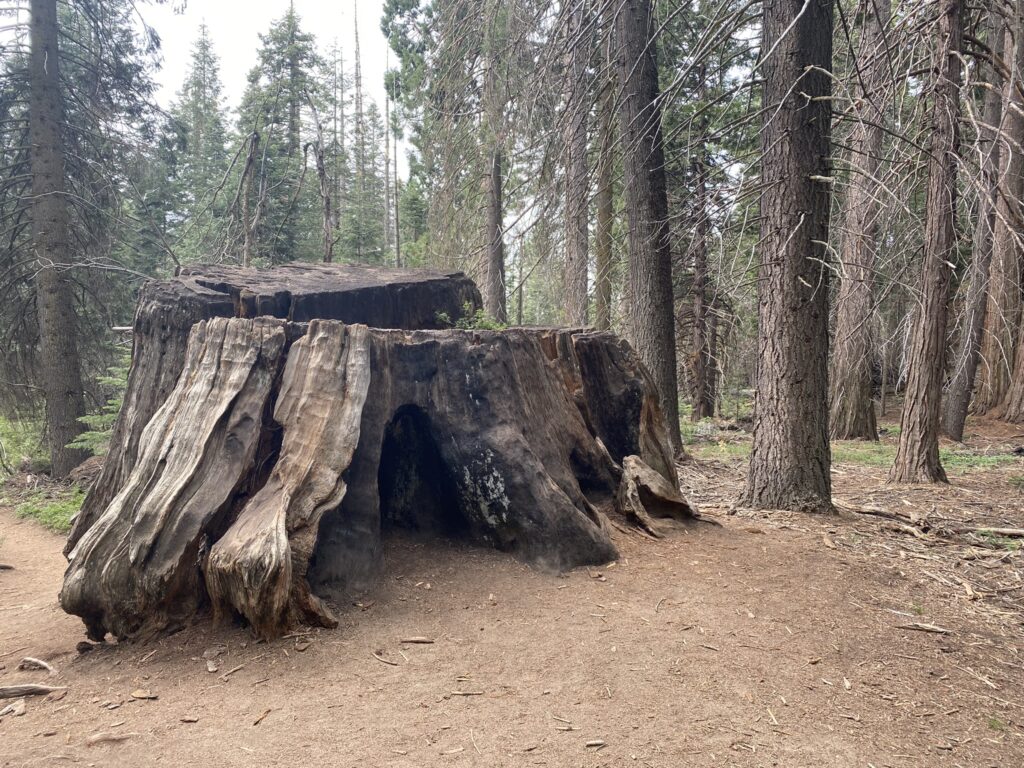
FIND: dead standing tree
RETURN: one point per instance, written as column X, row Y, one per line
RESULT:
column 917, row 455
column 989, row 148
column 852, row 409
column 260, row 456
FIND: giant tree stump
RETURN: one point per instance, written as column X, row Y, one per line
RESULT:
column 266, row 477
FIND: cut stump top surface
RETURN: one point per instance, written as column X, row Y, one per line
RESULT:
column 380, row 297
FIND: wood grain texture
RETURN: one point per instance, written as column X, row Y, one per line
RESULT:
column 167, row 310
column 258, row 568
column 136, row 568
column 285, row 451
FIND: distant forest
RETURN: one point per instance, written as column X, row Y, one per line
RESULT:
column 816, row 200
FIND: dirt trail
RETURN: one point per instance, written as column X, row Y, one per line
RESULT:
column 751, row 644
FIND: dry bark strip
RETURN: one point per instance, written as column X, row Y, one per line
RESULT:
column 644, row 494
column 326, row 380
column 136, row 569
column 265, row 480
column 27, row 689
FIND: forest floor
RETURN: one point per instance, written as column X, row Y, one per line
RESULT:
column 770, row 639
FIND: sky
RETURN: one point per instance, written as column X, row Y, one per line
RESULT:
column 235, row 26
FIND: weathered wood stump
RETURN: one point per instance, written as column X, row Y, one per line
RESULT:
column 264, row 479
column 167, row 310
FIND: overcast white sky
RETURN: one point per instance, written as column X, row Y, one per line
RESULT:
column 235, row 26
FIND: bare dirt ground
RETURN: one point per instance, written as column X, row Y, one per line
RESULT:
column 770, row 640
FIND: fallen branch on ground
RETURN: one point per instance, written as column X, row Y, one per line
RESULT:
column 28, row 689
column 921, row 528
column 31, row 663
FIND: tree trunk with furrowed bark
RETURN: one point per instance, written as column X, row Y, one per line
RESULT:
column 650, row 320
column 964, row 366
column 60, row 375
column 790, row 458
column 917, row 454
column 852, row 408
column 1003, row 306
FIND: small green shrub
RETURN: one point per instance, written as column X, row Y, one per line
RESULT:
column 52, row 508
column 96, row 439
column 21, row 441
column 471, row 320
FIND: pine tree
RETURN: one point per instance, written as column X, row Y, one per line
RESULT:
column 917, row 454
column 283, row 212
column 73, row 110
column 198, row 165
column 790, row 458
column 651, row 315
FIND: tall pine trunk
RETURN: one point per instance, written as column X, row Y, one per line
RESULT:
column 703, row 388
column 60, row 376
column 852, row 411
column 493, row 290
column 1006, row 243
column 1003, row 308
column 605, row 182
column 917, row 455
column 397, row 223
column 577, row 188
column 387, row 180
column 650, row 313
column 968, row 354
column 790, row 458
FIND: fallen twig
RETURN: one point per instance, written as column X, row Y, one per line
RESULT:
column 261, row 718
column 915, row 528
column 231, row 672
column 919, row 627
column 32, row 663
column 1010, row 533
column 28, row 689
column 104, row 736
